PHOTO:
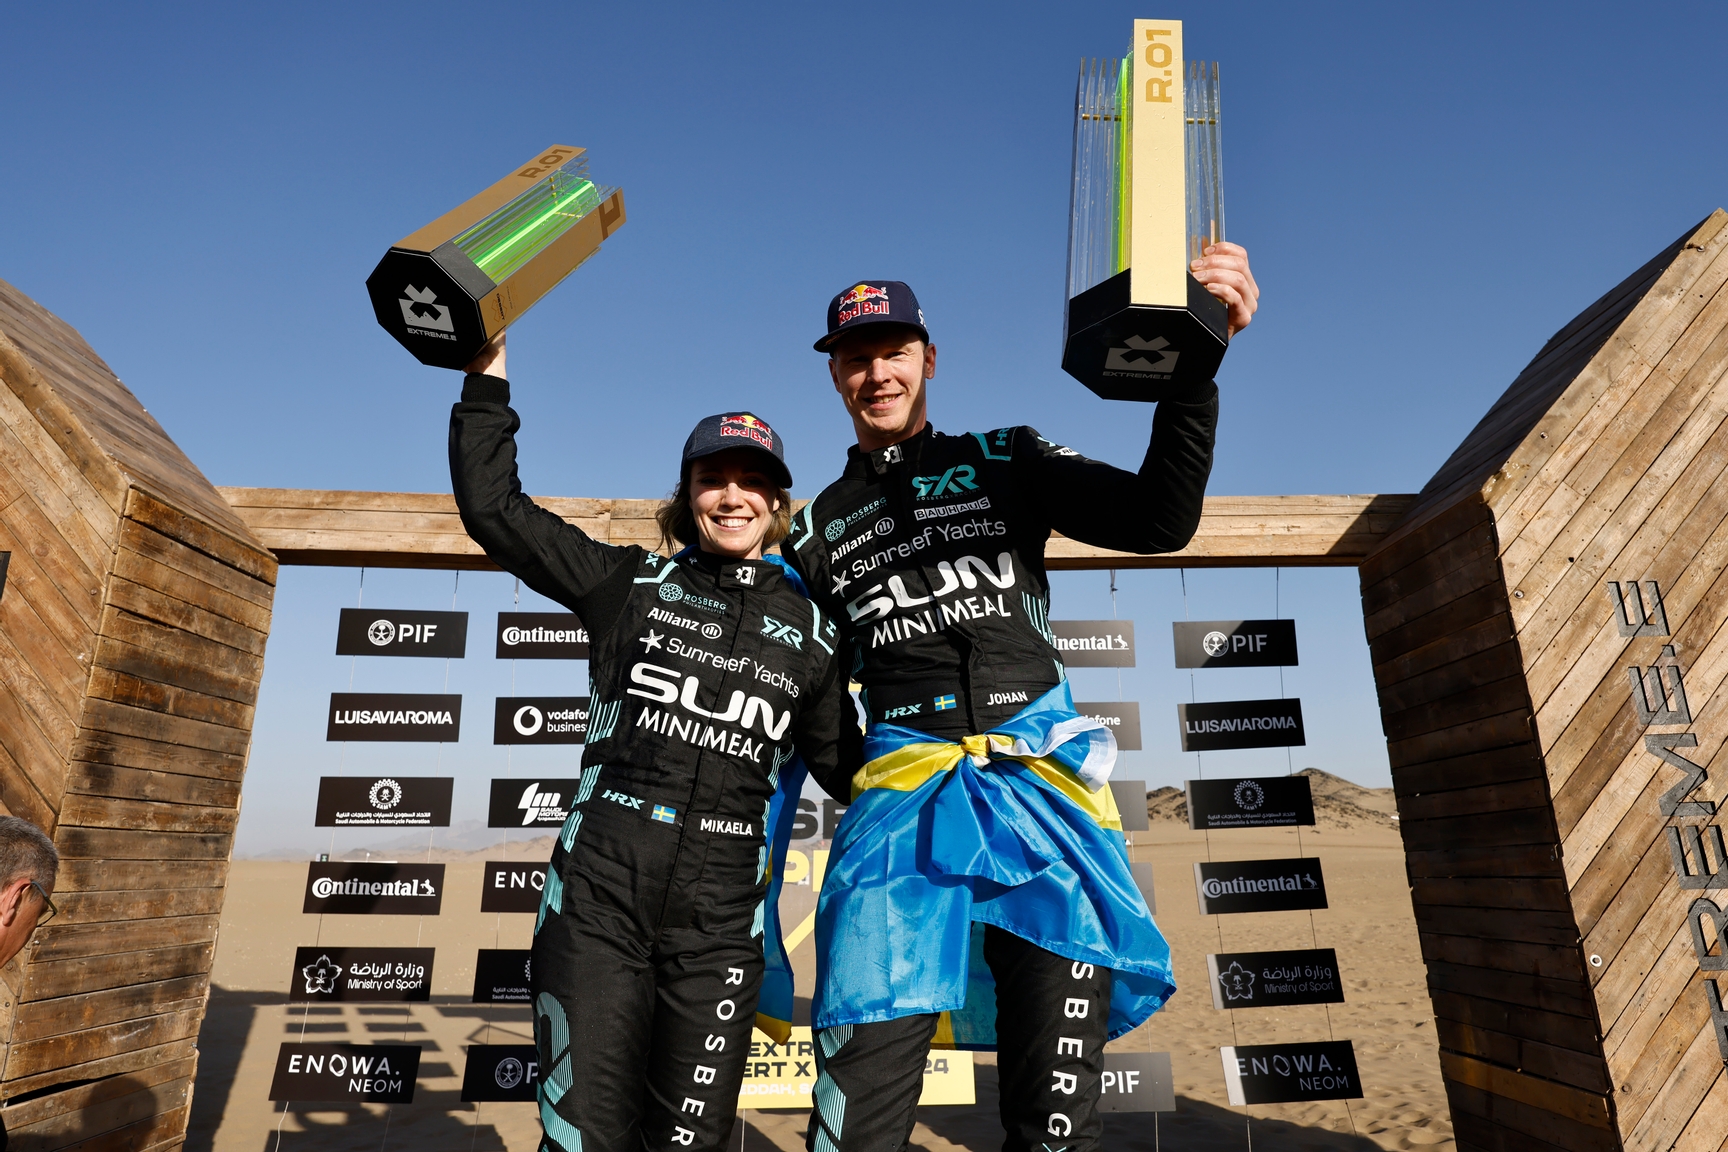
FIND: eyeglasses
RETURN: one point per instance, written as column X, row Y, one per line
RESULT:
column 52, row 911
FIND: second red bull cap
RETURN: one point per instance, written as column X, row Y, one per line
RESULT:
column 872, row 302
column 739, row 430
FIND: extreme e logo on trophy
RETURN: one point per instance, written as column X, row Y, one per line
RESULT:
column 447, row 289
column 1147, row 198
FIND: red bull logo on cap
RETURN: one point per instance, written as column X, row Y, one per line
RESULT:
column 750, row 426
column 861, row 300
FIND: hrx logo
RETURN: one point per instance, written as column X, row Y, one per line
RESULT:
column 621, row 798
column 958, row 479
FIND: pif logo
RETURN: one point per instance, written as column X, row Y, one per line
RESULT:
column 958, row 479
column 554, row 157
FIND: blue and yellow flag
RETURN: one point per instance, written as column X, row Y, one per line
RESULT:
column 1013, row 828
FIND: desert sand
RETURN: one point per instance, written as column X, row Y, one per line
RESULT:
column 1369, row 923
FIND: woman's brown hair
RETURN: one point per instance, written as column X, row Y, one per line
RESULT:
column 678, row 523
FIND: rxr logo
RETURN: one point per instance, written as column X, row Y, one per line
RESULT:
column 958, row 479
column 621, row 798
column 784, row 633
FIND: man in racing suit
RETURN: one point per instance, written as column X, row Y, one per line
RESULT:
column 929, row 550
column 708, row 674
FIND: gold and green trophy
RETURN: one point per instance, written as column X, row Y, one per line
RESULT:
column 1148, row 196
column 446, row 289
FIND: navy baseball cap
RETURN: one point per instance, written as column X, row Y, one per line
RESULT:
column 739, row 430
column 873, row 302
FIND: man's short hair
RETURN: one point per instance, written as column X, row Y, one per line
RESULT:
column 26, row 853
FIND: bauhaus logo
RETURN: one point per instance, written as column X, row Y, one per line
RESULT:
column 355, row 1073
column 540, row 720
column 541, row 803
column 374, row 888
column 401, row 632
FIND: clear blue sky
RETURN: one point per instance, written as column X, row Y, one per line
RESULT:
column 1427, row 192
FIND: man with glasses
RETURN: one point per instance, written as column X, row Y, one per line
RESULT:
column 28, row 861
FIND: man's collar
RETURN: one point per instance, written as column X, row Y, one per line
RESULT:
column 868, row 465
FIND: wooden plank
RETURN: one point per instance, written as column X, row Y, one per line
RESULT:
column 109, row 812
column 1527, row 826
column 1554, row 963
column 171, row 657
column 131, row 844
column 1523, row 925
column 1574, row 1104
column 118, row 1120
column 86, row 907
column 1670, row 1057
column 1485, row 603
column 97, row 875
column 1638, row 995
column 1501, row 796
column 68, row 498
column 1508, row 1125
column 72, row 941
column 1441, row 687
column 218, row 541
column 95, row 748
column 1579, row 1069
column 1556, row 1030
column 156, row 607
column 1522, row 862
column 123, row 688
column 1471, row 770
column 1463, row 643
column 1707, row 1129
column 61, row 588
column 114, row 970
column 1484, row 735
column 106, row 1066
column 120, row 718
column 165, row 550
column 138, row 569
column 1466, row 578
column 1545, row 894
column 38, row 1019
column 111, row 785
column 23, row 1118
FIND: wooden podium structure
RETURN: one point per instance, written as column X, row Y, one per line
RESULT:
column 1557, row 812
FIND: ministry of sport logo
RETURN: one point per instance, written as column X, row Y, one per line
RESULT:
column 321, row 976
column 422, row 312
column 1236, row 982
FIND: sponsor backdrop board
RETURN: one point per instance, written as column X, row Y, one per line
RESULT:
column 1131, row 804
column 411, row 716
column 540, row 720
column 1287, row 1073
column 393, row 632
column 1137, row 1082
column 1274, row 979
column 784, row 1075
column 541, row 636
column 512, row 885
column 1121, row 716
column 541, row 803
column 1095, row 643
column 1256, row 802
column 374, row 889
column 1142, row 870
column 384, row 801
column 1259, row 885
column 1228, row 724
column 500, row 1072
column 350, row 975
column 501, row 976
column 1235, row 643
column 349, row 1073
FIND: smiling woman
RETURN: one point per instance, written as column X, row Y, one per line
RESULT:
column 727, row 503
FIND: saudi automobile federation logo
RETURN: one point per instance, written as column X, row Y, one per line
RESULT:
column 420, row 309
column 1236, row 982
column 385, row 794
column 322, row 976
column 1214, row 643
column 381, row 632
column 1249, row 795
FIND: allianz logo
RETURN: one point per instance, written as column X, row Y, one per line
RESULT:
column 962, row 573
column 662, row 686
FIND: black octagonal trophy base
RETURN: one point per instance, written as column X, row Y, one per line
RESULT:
column 431, row 304
column 1127, row 351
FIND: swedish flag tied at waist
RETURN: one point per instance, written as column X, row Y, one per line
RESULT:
column 1014, row 828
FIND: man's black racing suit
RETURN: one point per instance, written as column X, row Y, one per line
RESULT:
column 930, row 553
column 706, row 677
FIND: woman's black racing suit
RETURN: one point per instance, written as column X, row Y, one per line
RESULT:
column 707, row 676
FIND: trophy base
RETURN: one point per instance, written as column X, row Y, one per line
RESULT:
column 430, row 302
column 1127, row 351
